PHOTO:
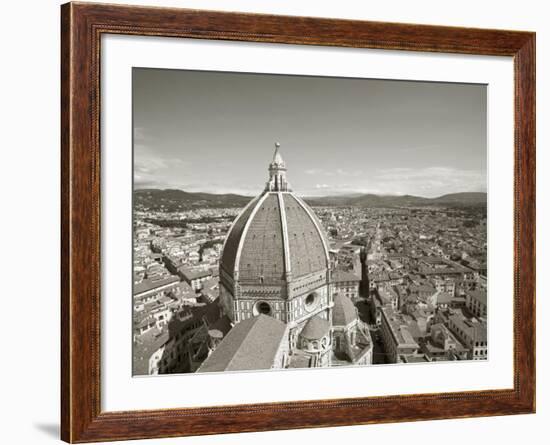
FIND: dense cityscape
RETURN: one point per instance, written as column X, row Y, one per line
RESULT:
column 416, row 275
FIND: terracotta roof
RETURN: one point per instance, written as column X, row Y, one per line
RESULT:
column 262, row 251
column 307, row 246
column 475, row 330
column 426, row 288
column 145, row 347
column 257, row 242
column 233, row 238
column 342, row 275
column 444, row 298
column 185, row 288
column 414, row 329
column 193, row 274
column 250, row 345
column 478, row 295
column 344, row 311
column 315, row 328
column 149, row 285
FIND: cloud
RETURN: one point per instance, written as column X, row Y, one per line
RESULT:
column 149, row 165
column 332, row 173
column 313, row 171
column 432, row 181
column 139, row 134
column 141, row 182
column 427, row 181
column 150, row 168
column 342, row 189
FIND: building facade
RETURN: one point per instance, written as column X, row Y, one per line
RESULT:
column 346, row 283
column 476, row 302
column 472, row 333
column 398, row 341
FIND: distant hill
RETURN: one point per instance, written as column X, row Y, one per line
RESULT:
column 371, row 200
column 470, row 198
column 368, row 200
column 173, row 199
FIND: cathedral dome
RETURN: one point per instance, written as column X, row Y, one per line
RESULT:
column 344, row 311
column 276, row 238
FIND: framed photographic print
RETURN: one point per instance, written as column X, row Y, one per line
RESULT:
column 274, row 222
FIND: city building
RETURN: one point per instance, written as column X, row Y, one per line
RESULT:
column 472, row 333
column 351, row 337
column 443, row 345
column 210, row 290
column 346, row 283
column 397, row 339
column 150, row 289
column 476, row 302
column 195, row 277
column 169, row 348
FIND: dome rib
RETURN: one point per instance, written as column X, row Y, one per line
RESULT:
column 284, row 231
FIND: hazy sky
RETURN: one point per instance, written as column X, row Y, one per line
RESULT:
column 215, row 132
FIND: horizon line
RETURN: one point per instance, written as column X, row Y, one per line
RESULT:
column 309, row 196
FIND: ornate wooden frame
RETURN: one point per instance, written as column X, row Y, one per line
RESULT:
column 81, row 28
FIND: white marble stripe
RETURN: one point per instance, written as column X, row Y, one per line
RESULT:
column 284, row 230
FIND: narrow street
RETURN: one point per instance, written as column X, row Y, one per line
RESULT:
column 378, row 352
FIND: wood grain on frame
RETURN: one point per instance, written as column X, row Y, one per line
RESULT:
column 81, row 28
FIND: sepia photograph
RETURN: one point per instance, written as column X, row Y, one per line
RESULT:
column 288, row 221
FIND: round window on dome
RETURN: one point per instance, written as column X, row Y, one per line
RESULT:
column 311, row 301
column 262, row 307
